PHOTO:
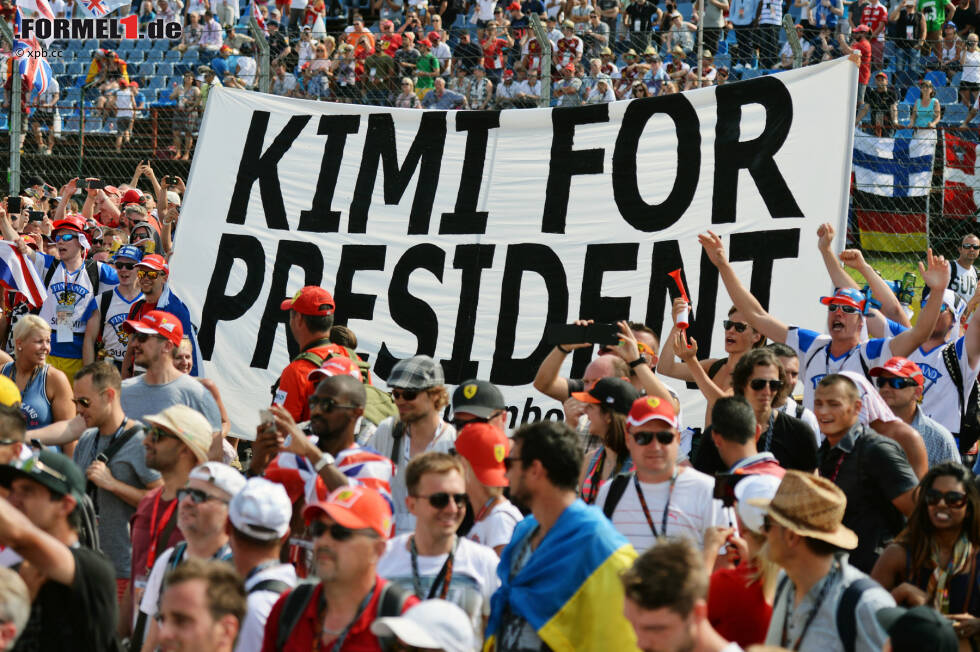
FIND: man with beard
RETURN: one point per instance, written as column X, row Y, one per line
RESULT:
column 420, row 395
column 842, row 349
column 963, row 275
column 202, row 517
column 667, row 600
column 349, row 532
column 153, row 340
column 176, row 442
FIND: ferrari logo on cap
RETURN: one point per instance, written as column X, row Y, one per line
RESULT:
column 653, row 401
column 296, row 296
column 469, row 391
column 346, row 497
column 499, row 452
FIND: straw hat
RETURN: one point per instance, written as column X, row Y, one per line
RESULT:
column 810, row 506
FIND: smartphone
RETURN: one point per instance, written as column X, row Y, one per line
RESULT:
column 574, row 334
column 35, row 216
column 96, row 184
column 725, row 487
column 14, row 205
column 81, row 184
column 267, row 419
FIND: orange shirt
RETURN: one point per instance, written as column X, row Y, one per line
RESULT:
column 294, row 388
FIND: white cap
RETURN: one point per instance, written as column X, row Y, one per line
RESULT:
column 220, row 475
column 173, row 197
column 754, row 486
column 261, row 510
column 432, row 624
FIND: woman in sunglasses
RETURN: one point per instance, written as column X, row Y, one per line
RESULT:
column 739, row 339
column 933, row 561
column 761, row 379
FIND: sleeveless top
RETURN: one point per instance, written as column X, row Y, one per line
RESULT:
column 34, row 398
column 964, row 594
column 971, row 69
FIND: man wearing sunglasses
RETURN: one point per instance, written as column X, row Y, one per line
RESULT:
column 418, row 387
column 152, row 273
column 75, row 606
column 433, row 562
column 202, row 516
column 176, row 442
column 349, row 531
column 72, row 284
column 479, row 401
column 152, row 341
column 873, row 471
column 112, row 455
column 104, row 335
column 660, row 498
column 963, row 274
column 841, row 349
column 900, row 383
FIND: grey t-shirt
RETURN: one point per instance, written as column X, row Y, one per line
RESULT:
column 128, row 465
column 140, row 399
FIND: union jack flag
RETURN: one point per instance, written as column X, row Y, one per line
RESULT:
column 32, row 64
column 99, row 8
column 253, row 10
column 40, row 7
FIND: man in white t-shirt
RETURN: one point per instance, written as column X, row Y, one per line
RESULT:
column 484, row 449
column 963, row 275
column 661, row 498
column 842, row 349
column 258, row 521
column 433, row 561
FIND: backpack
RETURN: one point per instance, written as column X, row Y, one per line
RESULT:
column 616, row 490
column 826, row 347
column 391, row 603
column 278, row 586
column 970, row 411
column 846, row 608
column 91, row 268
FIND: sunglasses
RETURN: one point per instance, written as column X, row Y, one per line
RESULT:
column 849, row 310
column 84, row 402
column 327, row 404
column 974, row 247
column 129, row 266
column 65, row 237
column 459, row 423
column 151, row 274
column 441, row 500
column 197, row 496
column 766, row 523
column 737, row 325
column 759, row 384
column 895, row 383
column 509, row 462
column 405, row 394
column 10, row 442
column 954, row 499
column 156, row 434
column 664, row 437
column 337, row 532
column 142, row 338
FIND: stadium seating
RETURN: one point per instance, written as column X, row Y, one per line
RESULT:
column 947, row 94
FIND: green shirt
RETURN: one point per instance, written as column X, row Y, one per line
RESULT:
column 205, row 89
column 426, row 63
column 935, row 13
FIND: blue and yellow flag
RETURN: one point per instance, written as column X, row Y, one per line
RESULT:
column 569, row 590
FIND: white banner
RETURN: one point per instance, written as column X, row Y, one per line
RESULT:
column 461, row 234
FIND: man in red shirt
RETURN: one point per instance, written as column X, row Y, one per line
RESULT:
column 875, row 16
column 862, row 46
column 310, row 319
column 494, row 56
column 349, row 532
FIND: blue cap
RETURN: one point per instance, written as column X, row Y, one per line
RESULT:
column 129, row 251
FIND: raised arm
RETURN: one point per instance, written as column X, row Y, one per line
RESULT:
column 744, row 302
column 972, row 341
column 46, row 554
column 689, row 355
column 890, row 306
column 936, row 276
column 825, row 240
column 548, row 380
column 630, row 351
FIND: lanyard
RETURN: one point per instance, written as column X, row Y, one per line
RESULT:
column 445, row 576
column 261, row 567
column 813, row 614
column 843, row 362
column 338, row 644
column 646, row 510
column 767, row 446
column 840, row 461
column 156, row 527
column 486, row 509
column 95, row 444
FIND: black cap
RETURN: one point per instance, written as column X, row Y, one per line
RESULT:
column 615, row 393
column 478, row 397
column 918, row 628
column 52, row 470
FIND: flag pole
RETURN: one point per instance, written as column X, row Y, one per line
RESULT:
column 13, row 171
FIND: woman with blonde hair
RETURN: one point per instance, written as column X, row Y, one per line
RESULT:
column 407, row 99
column 46, row 394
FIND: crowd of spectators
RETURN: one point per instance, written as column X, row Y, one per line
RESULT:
column 353, row 517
